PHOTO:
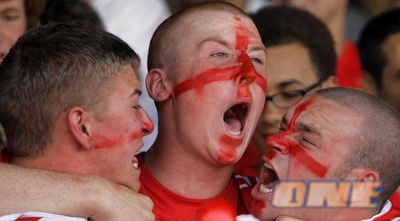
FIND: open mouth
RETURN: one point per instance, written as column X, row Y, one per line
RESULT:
column 235, row 117
column 267, row 179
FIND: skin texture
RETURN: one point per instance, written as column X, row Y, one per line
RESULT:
column 219, row 65
column 100, row 199
column 282, row 77
column 390, row 90
column 13, row 24
column 112, row 139
column 306, row 148
column 93, row 137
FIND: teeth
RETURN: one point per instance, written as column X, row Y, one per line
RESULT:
column 136, row 165
column 235, row 133
column 265, row 189
column 267, row 165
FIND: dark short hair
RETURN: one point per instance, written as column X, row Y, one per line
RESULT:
column 69, row 10
column 281, row 25
column 51, row 69
column 374, row 33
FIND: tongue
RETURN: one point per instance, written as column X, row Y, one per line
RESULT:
column 233, row 124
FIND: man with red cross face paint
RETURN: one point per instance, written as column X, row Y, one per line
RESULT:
column 332, row 138
column 207, row 77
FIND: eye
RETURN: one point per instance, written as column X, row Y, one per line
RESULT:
column 290, row 94
column 306, row 142
column 137, row 107
column 10, row 17
column 257, row 60
column 220, row 54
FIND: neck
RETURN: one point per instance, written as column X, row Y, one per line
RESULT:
column 184, row 173
column 54, row 159
column 355, row 214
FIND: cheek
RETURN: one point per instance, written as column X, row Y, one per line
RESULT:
column 295, row 152
column 228, row 151
column 117, row 135
column 17, row 31
column 198, row 82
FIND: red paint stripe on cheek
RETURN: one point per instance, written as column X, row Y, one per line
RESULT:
column 285, row 145
column 260, row 81
column 207, row 77
column 115, row 141
column 307, row 161
column 301, row 156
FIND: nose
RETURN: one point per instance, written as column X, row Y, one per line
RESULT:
column 245, row 78
column 278, row 143
column 247, row 74
column 147, row 124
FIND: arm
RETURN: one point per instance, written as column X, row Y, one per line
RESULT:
column 23, row 190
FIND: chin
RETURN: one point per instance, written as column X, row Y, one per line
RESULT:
column 228, row 157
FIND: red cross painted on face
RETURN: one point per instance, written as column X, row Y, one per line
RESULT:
column 285, row 145
column 243, row 72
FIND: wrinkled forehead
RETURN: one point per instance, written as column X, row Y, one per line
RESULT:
column 324, row 115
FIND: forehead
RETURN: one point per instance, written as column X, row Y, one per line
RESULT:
column 391, row 47
column 327, row 118
column 200, row 25
column 281, row 60
column 12, row 3
column 126, row 77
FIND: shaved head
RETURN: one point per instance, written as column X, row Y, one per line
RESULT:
column 378, row 145
column 167, row 36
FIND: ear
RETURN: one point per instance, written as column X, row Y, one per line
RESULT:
column 330, row 82
column 369, row 83
column 366, row 187
column 78, row 125
column 156, row 85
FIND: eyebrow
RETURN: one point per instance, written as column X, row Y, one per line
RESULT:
column 214, row 39
column 290, row 82
column 136, row 92
column 302, row 126
column 259, row 48
column 308, row 128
